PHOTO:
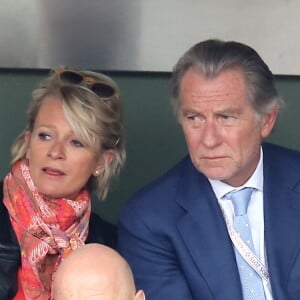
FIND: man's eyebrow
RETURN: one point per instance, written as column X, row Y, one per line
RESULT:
column 235, row 111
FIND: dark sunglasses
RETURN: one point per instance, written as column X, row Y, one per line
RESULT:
column 100, row 88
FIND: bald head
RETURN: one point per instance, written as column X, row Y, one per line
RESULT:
column 95, row 271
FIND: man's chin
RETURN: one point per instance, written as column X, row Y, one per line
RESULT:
column 214, row 173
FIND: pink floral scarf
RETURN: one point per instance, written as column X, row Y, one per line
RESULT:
column 47, row 230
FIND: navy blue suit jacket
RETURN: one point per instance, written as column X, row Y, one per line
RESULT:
column 174, row 236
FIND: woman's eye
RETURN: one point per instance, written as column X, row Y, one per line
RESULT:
column 44, row 136
column 77, row 143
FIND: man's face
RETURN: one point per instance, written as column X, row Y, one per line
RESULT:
column 222, row 130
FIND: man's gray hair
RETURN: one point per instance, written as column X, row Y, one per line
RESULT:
column 211, row 57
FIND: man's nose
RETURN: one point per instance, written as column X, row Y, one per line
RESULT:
column 211, row 136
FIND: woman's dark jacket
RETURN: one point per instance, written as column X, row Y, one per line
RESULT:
column 100, row 231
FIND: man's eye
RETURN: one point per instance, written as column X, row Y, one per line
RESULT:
column 225, row 117
column 191, row 117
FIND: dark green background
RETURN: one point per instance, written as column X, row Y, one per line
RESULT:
column 153, row 137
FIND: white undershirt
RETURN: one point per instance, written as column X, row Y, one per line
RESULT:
column 255, row 211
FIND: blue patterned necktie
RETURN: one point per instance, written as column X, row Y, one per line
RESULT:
column 251, row 282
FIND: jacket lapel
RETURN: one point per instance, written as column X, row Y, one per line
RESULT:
column 204, row 233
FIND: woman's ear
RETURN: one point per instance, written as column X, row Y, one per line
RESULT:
column 108, row 157
column 105, row 160
column 98, row 171
column 27, row 135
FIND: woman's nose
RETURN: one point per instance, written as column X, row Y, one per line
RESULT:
column 57, row 150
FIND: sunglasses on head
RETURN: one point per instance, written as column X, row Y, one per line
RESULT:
column 100, row 88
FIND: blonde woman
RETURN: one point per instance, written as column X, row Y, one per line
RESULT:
column 72, row 147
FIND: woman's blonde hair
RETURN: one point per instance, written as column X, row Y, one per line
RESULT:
column 97, row 120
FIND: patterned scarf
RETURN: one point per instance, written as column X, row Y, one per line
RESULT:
column 47, row 229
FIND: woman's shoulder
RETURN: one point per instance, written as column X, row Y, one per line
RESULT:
column 1, row 190
column 102, row 231
column 10, row 259
column 8, row 239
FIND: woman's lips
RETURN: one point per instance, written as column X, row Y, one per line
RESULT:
column 53, row 172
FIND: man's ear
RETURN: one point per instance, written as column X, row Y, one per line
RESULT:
column 140, row 295
column 268, row 121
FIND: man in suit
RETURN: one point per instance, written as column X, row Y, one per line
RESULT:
column 178, row 233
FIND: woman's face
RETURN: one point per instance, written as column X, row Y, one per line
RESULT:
column 60, row 163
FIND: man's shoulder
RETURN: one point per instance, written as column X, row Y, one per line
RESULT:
column 168, row 181
column 281, row 153
column 159, row 196
column 275, row 148
column 156, row 204
column 281, row 163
